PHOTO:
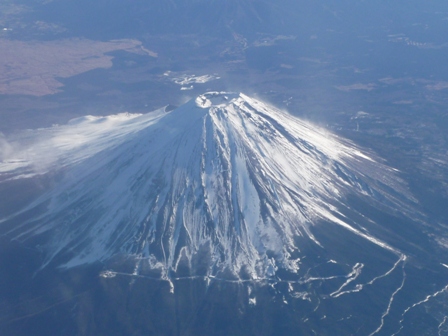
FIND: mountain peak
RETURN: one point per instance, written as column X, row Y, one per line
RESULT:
column 216, row 99
column 241, row 190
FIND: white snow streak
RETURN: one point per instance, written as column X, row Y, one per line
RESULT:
column 360, row 287
column 426, row 299
column 442, row 324
column 351, row 277
column 386, row 312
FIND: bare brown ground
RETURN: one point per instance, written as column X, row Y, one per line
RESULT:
column 31, row 67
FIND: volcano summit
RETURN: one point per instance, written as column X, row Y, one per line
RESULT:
column 224, row 186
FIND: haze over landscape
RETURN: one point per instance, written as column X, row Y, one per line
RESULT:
column 223, row 167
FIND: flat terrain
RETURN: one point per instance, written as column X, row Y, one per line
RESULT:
column 32, row 68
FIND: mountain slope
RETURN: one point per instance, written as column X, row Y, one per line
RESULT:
column 224, row 185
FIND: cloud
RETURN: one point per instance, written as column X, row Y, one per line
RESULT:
column 358, row 86
column 35, row 152
column 6, row 149
column 437, row 86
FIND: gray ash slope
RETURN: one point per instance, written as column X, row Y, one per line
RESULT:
column 226, row 188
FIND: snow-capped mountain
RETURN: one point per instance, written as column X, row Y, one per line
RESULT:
column 224, row 185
